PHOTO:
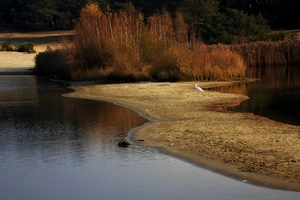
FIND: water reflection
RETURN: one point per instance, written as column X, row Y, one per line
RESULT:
column 38, row 122
column 276, row 95
column 17, row 90
column 276, row 76
column 59, row 148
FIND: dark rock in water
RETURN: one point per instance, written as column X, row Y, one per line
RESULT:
column 123, row 143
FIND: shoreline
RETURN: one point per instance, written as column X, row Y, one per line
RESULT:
column 192, row 128
column 189, row 127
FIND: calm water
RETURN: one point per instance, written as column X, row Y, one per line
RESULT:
column 276, row 95
column 53, row 147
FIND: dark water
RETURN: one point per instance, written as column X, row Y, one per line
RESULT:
column 53, row 147
column 276, row 95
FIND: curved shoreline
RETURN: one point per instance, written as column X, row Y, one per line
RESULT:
column 240, row 145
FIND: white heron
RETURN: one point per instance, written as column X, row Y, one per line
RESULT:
column 199, row 89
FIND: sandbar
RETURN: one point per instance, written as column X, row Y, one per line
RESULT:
column 198, row 129
column 189, row 125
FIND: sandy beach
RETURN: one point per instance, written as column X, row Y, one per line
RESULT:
column 12, row 62
column 196, row 127
column 40, row 40
column 16, row 62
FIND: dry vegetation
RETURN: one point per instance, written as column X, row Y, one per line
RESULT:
column 121, row 46
column 269, row 53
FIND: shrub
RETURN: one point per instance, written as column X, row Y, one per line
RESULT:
column 54, row 62
column 49, row 48
column 279, row 36
column 6, row 47
column 293, row 35
column 26, row 47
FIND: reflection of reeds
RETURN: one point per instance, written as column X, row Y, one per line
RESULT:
column 276, row 76
column 269, row 53
column 121, row 46
column 240, row 88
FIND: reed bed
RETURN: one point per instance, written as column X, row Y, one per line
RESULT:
column 123, row 47
column 269, row 53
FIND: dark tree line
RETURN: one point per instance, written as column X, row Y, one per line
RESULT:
column 40, row 15
column 214, row 20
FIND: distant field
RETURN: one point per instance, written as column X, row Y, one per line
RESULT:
column 21, row 63
column 292, row 32
column 40, row 40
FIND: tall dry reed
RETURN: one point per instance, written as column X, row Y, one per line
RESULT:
column 121, row 46
column 218, row 62
column 269, row 53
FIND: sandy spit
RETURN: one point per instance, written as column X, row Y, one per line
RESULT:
column 189, row 125
column 197, row 128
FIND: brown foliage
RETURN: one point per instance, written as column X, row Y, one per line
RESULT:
column 269, row 53
column 121, row 46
